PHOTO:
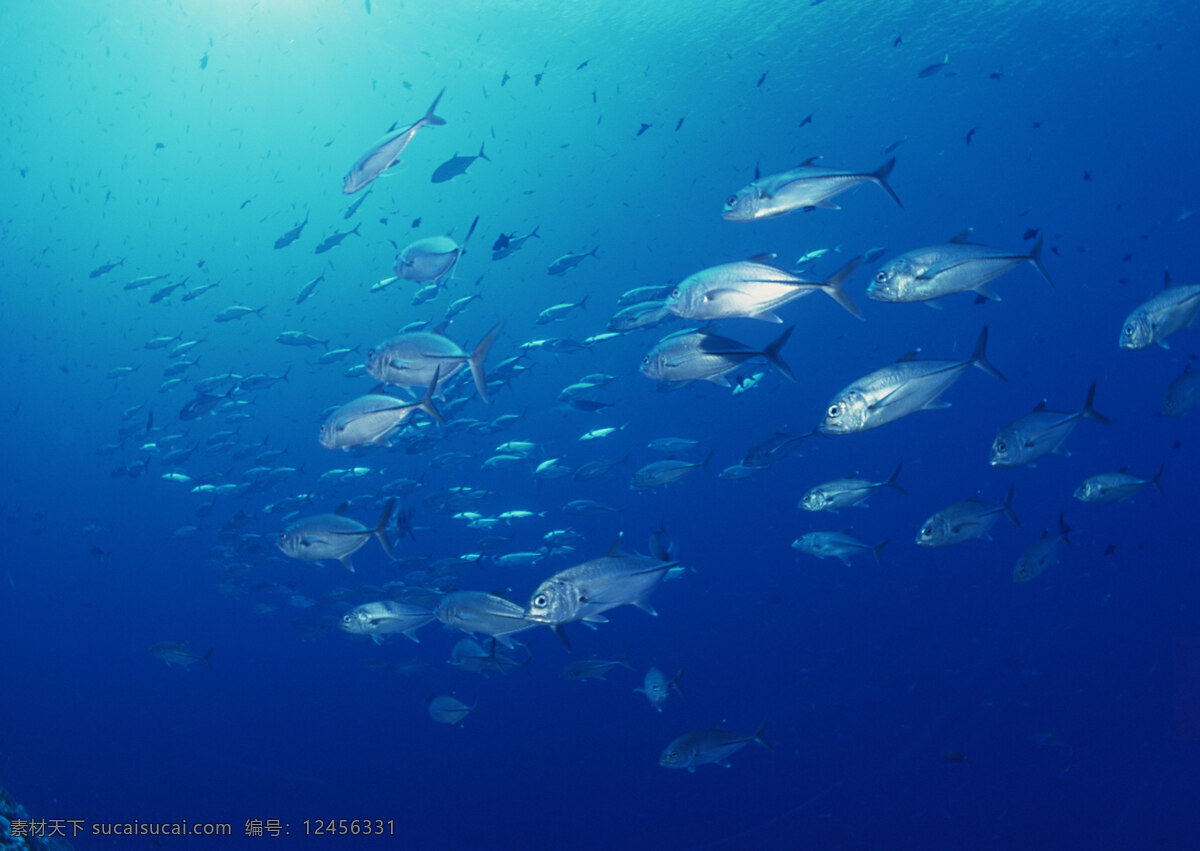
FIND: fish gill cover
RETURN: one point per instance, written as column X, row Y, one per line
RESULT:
column 364, row 357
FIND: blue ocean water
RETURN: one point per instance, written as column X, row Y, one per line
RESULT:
column 927, row 702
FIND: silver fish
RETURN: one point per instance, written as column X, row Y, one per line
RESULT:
column 806, row 187
column 447, row 709
column 569, row 261
column 386, row 617
column 1116, row 487
column 429, row 259
column 372, row 419
column 843, row 493
column 660, row 473
column 753, row 289
column 1161, row 316
column 333, row 536
column 957, row 266
column 645, row 314
column 477, row 612
column 705, row 356
column 1039, row 433
column 895, row 391
column 658, row 688
column 1183, row 394
column 1041, row 555
column 837, row 545
column 712, row 746
column 971, row 518
column 591, row 669
column 384, row 153
column 179, row 654
column 412, row 359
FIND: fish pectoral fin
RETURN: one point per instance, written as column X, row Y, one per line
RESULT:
column 720, row 380
column 766, row 316
column 935, row 405
column 987, row 292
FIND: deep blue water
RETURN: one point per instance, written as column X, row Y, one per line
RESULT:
column 1073, row 698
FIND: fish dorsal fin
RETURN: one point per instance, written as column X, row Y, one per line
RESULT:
column 1124, row 469
column 1166, row 279
column 1041, row 406
column 341, row 510
column 757, row 171
column 441, row 327
column 911, row 356
column 616, row 550
column 810, row 161
column 962, row 236
column 847, row 530
column 499, row 592
column 766, row 257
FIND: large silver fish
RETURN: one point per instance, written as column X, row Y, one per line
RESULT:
column 1040, row 432
column 954, row 267
column 705, row 356
column 1116, row 487
column 1159, row 317
column 895, row 391
column 805, row 187
column 660, row 473
column 373, row 418
column 1183, row 394
column 333, row 536
column 843, row 493
column 712, row 746
column 413, row 358
column 386, row 617
column 753, row 289
column 431, row 258
column 384, row 153
column 971, row 518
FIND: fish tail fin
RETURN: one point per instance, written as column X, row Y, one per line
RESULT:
column 482, row 155
column 892, row 483
column 1063, row 528
column 624, row 660
column 704, row 464
column 583, row 303
column 1035, row 257
column 426, row 403
column 979, row 356
column 534, row 232
column 1008, row 506
column 832, row 287
column 562, row 636
column 1090, row 412
column 675, row 682
column 475, row 361
column 880, row 177
column 381, row 529
column 759, row 733
column 878, row 548
column 771, row 353
column 1156, row 481
column 207, row 661
column 430, row 117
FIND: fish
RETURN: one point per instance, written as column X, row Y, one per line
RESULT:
column 237, row 311
column 292, row 235
column 587, row 590
column 333, row 536
column 299, row 338
column 1042, row 554
column 189, row 295
column 143, row 281
column 712, row 746
column 661, row 473
column 373, row 419
column 1116, row 487
column 641, row 295
column 753, row 289
column 456, row 165
column 569, row 261
column 805, row 187
column 411, row 359
column 672, row 445
column 477, row 612
column 589, row 508
column 971, row 518
column 353, row 208
column 1159, row 317
column 431, row 258
column 307, row 289
column 591, row 669
column 843, row 493
column 386, row 617
column 782, row 444
column 1183, row 394
column 837, row 545
column 930, row 70
column 706, row 356
column 335, row 355
column 1039, row 433
column 645, row 314
column 179, row 654
column 447, row 709
column 161, row 293
column 658, row 688
column 958, row 266
column 894, row 391
column 507, row 244
column 335, row 239
column 385, row 153
column 559, row 312
column 106, row 268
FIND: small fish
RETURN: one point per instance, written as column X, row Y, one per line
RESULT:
column 106, row 268
column 335, row 239
column 661, row 473
column 307, row 289
column 712, row 746
column 179, row 654
column 930, row 70
column 237, row 311
column 806, row 187
column 658, row 688
column 760, row 80
column 447, row 709
column 971, row 518
column 456, row 165
column 1116, row 487
column 292, row 235
column 1039, row 433
column 582, row 670
column 299, row 338
column 1042, row 555
column 971, row 134
column 843, row 493
column 569, row 261
column 386, row 152
column 143, row 281
column 353, row 208
column 507, row 244
column 643, row 129
column 837, row 545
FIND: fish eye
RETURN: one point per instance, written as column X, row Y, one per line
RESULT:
column 1128, row 330
column 370, row 353
column 540, row 601
column 834, row 411
column 732, row 202
column 881, row 276
column 675, row 293
column 927, row 532
column 1002, row 446
column 346, row 618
